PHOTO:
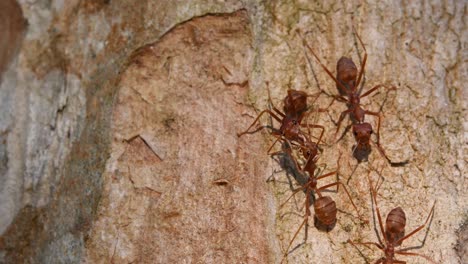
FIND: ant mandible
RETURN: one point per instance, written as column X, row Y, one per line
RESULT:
column 351, row 95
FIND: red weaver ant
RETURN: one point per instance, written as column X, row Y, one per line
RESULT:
column 324, row 206
column 394, row 233
column 351, row 95
column 295, row 108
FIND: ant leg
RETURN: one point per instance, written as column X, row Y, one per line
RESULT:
column 342, row 116
column 413, row 254
column 306, row 116
column 307, row 203
column 363, row 63
column 378, row 184
column 305, row 222
column 326, row 175
column 374, row 197
column 417, row 229
column 256, row 119
column 366, row 244
column 375, row 88
column 320, row 62
column 290, row 145
column 382, row 152
column 278, row 111
column 379, row 147
column 315, row 126
column 316, row 95
column 271, row 102
column 296, row 191
column 278, row 138
column 338, row 171
column 381, row 260
column 338, row 98
column 378, row 123
column 349, row 196
column 294, row 237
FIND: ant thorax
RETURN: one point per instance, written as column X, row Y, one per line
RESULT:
column 390, row 252
column 354, row 99
column 358, row 114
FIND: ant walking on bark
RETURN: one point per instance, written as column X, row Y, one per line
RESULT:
column 324, row 206
column 394, row 232
column 291, row 119
column 350, row 94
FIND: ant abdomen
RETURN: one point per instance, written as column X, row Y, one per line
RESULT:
column 295, row 102
column 325, row 210
column 346, row 70
column 395, row 224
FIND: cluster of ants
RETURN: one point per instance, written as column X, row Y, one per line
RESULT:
column 295, row 134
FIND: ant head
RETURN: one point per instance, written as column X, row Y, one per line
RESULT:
column 309, row 149
column 362, row 132
column 346, row 70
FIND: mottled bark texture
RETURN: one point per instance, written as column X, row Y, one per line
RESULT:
column 118, row 129
column 175, row 167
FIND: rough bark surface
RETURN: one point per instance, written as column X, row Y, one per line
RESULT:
column 177, row 168
column 119, row 118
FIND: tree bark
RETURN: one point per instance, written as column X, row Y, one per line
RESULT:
column 119, row 142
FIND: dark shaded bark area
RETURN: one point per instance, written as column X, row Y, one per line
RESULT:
column 13, row 27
